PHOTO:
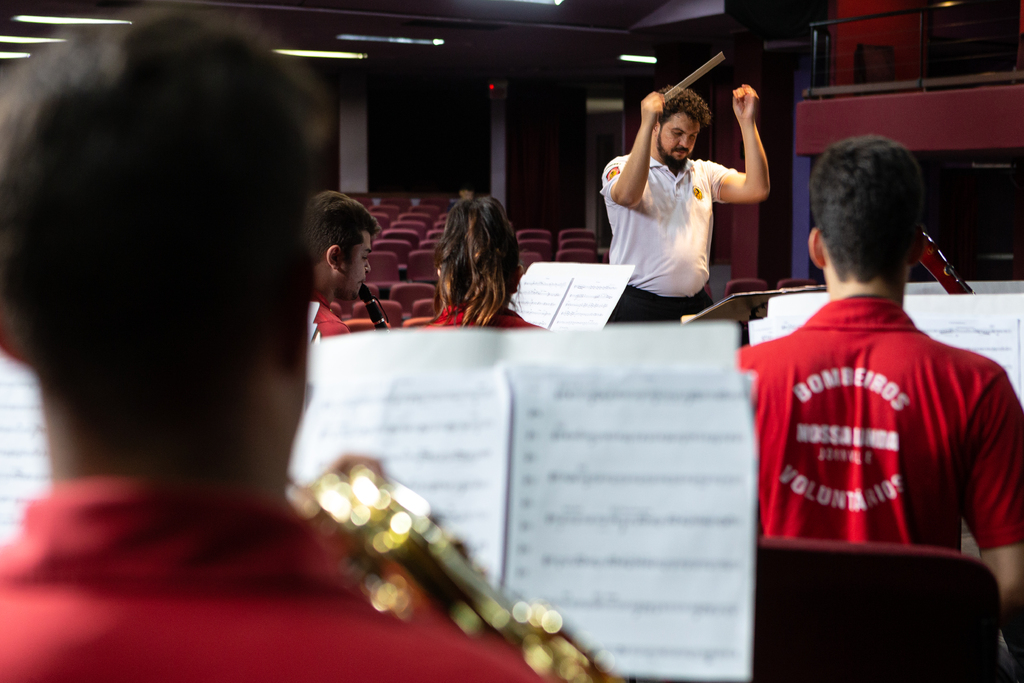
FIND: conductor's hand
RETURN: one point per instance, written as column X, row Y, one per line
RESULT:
column 745, row 103
column 651, row 107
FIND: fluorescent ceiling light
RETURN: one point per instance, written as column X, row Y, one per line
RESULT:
column 323, row 53
column 14, row 55
column 541, row 2
column 65, row 20
column 391, row 39
column 643, row 59
column 24, row 40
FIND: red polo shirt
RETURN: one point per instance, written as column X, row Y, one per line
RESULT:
column 453, row 316
column 872, row 431
column 112, row 580
column 326, row 322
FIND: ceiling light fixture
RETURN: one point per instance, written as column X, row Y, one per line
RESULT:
column 642, row 59
column 30, row 19
column 391, row 39
column 14, row 55
column 25, row 40
column 540, row 2
column 324, row 54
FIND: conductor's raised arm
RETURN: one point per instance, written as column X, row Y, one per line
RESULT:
column 629, row 189
column 753, row 186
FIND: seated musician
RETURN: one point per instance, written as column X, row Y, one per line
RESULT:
column 478, row 268
column 338, row 230
column 166, row 550
column 869, row 429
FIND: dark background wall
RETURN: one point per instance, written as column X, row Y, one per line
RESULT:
column 428, row 137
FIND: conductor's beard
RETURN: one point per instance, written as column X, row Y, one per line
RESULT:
column 673, row 163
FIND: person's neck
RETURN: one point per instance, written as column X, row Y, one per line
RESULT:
column 322, row 282
column 876, row 287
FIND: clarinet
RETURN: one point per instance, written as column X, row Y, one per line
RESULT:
column 373, row 307
column 941, row 269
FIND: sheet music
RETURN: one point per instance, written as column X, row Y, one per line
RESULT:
column 632, row 509
column 539, row 298
column 996, row 337
column 570, row 296
column 766, row 329
column 443, row 435
column 24, row 467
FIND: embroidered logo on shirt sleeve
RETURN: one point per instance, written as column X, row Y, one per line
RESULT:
column 697, row 193
column 612, row 173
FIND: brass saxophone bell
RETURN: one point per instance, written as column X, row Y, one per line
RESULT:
column 401, row 557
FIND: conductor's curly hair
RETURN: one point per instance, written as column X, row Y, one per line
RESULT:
column 687, row 102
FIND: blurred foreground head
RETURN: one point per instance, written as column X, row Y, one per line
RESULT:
column 152, row 185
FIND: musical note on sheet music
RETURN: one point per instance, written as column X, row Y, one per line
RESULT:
column 627, row 479
column 24, row 468
column 539, row 299
column 588, row 304
column 996, row 337
column 444, row 435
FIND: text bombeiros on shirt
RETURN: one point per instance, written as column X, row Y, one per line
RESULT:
column 852, row 377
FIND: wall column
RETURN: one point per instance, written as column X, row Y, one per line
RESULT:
column 499, row 157
column 353, row 155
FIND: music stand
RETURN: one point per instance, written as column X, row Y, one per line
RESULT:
column 745, row 306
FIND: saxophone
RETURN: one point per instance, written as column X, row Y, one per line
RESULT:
column 400, row 555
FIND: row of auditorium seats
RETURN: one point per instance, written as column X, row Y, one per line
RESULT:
column 755, row 284
column 574, row 245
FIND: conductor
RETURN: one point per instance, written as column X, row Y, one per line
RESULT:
column 659, row 203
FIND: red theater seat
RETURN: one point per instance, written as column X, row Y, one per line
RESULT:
column 407, row 293
column 540, row 246
column 745, row 284
column 421, row 266
column 576, row 256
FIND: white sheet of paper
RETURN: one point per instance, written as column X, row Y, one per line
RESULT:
column 443, row 435
column 994, row 336
column 24, row 467
column 766, row 329
column 632, row 510
column 314, row 308
column 570, row 296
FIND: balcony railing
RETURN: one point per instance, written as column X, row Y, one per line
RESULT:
column 953, row 44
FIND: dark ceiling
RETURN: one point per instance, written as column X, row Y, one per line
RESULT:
column 579, row 39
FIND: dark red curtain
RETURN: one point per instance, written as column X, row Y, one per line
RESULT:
column 958, row 232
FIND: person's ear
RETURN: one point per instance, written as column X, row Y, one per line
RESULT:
column 816, row 248
column 917, row 246
column 335, row 258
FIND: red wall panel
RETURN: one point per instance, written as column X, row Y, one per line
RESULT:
column 975, row 120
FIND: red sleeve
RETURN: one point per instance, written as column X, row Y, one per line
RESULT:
column 994, row 496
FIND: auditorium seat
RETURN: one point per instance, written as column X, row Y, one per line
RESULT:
column 607, row 257
column 428, row 245
column 787, row 282
column 435, row 234
column 407, row 293
column 391, row 211
column 528, row 258
column 880, row 612
column 421, row 321
column 383, row 220
column 428, row 209
column 365, row 201
column 745, row 284
column 399, row 248
column 575, row 233
column 360, row 325
column 534, row 234
column 440, row 202
column 392, row 312
column 421, row 220
column 576, row 256
column 402, row 203
column 578, row 244
column 423, row 308
column 420, row 267
column 383, row 270
column 540, row 246
column 410, row 236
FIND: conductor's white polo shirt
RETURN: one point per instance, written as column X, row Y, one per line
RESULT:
column 668, row 235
